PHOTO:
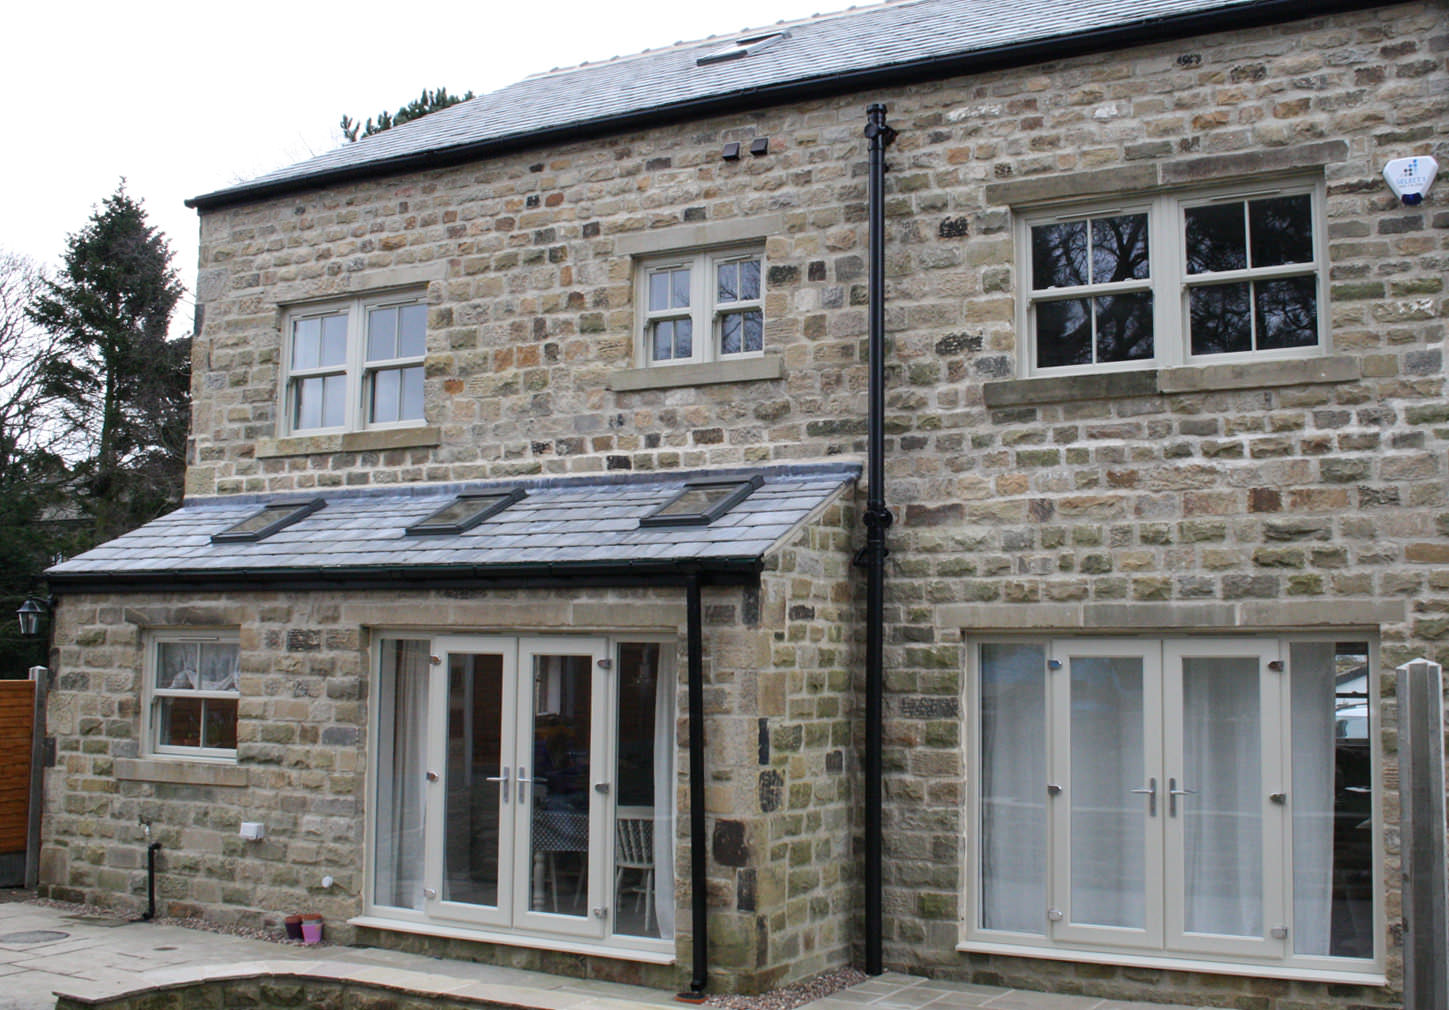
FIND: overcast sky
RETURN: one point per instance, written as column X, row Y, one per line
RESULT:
column 182, row 98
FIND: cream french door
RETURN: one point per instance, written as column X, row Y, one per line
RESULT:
column 1166, row 795
column 494, row 791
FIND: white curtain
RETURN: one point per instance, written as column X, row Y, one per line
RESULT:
column 664, row 802
column 1312, row 691
column 1222, row 821
column 1013, row 787
column 403, row 740
column 1108, row 850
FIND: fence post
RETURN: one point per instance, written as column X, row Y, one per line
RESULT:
column 1420, row 691
column 40, row 676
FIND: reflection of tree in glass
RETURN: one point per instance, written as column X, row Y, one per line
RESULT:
column 1281, row 228
column 1216, row 238
column 1221, row 322
column 1063, row 333
column 1124, row 326
column 1059, row 255
column 1119, row 248
column 1287, row 312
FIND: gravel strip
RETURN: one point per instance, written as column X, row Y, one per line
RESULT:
column 793, row 995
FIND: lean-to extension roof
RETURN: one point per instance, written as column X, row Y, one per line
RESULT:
column 565, row 529
column 848, row 51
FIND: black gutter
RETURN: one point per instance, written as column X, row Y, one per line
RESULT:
column 877, row 519
column 698, row 885
column 715, row 572
column 787, row 92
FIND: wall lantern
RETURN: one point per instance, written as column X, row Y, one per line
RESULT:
column 32, row 615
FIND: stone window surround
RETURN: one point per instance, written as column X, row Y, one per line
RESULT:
column 151, row 640
column 1152, row 178
column 357, row 284
column 701, row 237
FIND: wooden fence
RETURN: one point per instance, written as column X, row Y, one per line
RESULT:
column 17, row 725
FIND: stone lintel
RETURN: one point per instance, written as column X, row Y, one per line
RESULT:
column 769, row 366
column 1070, row 185
column 1170, row 616
column 657, row 615
column 349, row 285
column 695, row 236
column 183, row 772
column 1206, row 168
column 1129, row 180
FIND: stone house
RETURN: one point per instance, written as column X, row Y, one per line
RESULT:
column 514, row 603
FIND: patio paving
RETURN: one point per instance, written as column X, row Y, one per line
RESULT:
column 45, row 950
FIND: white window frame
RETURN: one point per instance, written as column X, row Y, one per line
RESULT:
column 356, row 370
column 1058, row 939
column 705, row 312
column 152, row 694
column 1169, row 282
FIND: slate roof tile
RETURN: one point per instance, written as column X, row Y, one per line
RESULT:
column 562, row 522
column 831, row 46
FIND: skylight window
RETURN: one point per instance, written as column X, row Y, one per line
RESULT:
column 740, row 48
column 262, row 524
column 464, row 512
column 701, row 502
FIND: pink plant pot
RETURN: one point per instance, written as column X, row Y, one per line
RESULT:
column 311, row 930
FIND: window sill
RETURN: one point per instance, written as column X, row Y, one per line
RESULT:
column 769, row 366
column 594, row 948
column 1247, row 969
column 1164, row 381
column 424, row 436
column 181, row 771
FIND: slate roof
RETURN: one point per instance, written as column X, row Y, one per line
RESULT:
column 828, row 53
column 564, row 527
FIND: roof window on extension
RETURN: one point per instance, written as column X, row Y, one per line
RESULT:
column 262, row 524
column 740, row 48
column 464, row 512
column 701, row 502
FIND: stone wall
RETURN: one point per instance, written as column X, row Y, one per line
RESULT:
column 302, row 745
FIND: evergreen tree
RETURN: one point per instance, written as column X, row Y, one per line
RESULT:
column 429, row 101
column 115, row 378
column 35, row 501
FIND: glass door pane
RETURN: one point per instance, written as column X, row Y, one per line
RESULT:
column 475, row 777
column 560, row 737
column 1225, row 836
column 1222, row 817
column 1108, row 821
column 1106, row 757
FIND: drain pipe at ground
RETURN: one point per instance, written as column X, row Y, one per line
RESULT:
column 151, row 851
column 873, row 555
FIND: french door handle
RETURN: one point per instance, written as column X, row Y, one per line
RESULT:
column 522, row 780
column 1173, row 793
column 1151, row 793
column 502, row 779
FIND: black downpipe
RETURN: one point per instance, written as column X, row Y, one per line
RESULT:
column 697, row 845
column 877, row 519
column 151, row 851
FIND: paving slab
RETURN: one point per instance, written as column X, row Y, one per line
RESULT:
column 101, row 955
